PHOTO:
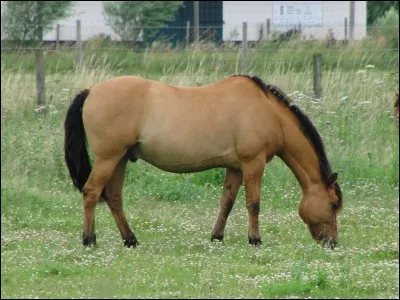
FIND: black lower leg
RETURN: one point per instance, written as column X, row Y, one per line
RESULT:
column 215, row 237
column 254, row 241
column 131, row 241
column 89, row 239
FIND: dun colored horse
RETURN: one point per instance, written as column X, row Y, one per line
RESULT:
column 239, row 123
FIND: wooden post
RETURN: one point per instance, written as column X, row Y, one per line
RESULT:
column 196, row 21
column 78, row 44
column 57, row 36
column 262, row 32
column 345, row 30
column 244, row 47
column 351, row 21
column 317, row 76
column 39, row 8
column 187, row 33
column 40, row 79
column 268, row 28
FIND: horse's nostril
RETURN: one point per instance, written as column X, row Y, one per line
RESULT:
column 333, row 244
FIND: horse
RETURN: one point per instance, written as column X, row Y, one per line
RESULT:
column 239, row 123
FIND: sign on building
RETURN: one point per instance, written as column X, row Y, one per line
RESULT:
column 290, row 13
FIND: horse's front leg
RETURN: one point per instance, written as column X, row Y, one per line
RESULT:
column 232, row 182
column 252, row 174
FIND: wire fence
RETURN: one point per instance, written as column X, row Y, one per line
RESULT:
column 228, row 32
column 270, row 49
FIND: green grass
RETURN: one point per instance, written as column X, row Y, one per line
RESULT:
column 172, row 214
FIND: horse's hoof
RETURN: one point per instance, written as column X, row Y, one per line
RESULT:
column 217, row 238
column 88, row 239
column 131, row 242
column 255, row 241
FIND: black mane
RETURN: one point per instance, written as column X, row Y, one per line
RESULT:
column 307, row 128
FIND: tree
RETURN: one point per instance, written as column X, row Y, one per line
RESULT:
column 387, row 27
column 376, row 9
column 128, row 18
column 26, row 22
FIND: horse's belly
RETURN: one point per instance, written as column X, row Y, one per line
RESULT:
column 185, row 159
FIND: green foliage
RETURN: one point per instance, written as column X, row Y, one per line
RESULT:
column 128, row 18
column 25, row 22
column 387, row 27
column 376, row 9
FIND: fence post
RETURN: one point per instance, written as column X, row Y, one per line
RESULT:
column 345, row 30
column 244, row 47
column 262, row 32
column 40, row 79
column 196, row 21
column 187, row 33
column 78, row 45
column 268, row 28
column 317, row 76
column 351, row 21
column 57, row 36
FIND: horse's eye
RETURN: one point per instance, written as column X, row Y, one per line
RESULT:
column 334, row 206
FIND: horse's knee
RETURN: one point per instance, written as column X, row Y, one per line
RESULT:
column 253, row 207
column 227, row 205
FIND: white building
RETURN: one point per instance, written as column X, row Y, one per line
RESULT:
column 316, row 18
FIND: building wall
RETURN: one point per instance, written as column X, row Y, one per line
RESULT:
column 255, row 13
column 330, row 15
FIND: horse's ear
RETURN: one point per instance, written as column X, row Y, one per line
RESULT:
column 332, row 178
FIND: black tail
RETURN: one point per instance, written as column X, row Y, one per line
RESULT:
column 76, row 154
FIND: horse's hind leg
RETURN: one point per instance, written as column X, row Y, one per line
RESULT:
column 114, row 200
column 101, row 173
column 233, row 179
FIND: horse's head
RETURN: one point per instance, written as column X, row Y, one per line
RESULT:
column 318, row 209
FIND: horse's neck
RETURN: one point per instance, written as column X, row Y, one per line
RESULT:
column 300, row 156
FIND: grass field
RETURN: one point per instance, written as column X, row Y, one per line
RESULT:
column 172, row 214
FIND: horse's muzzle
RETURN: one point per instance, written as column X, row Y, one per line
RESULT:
column 328, row 243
